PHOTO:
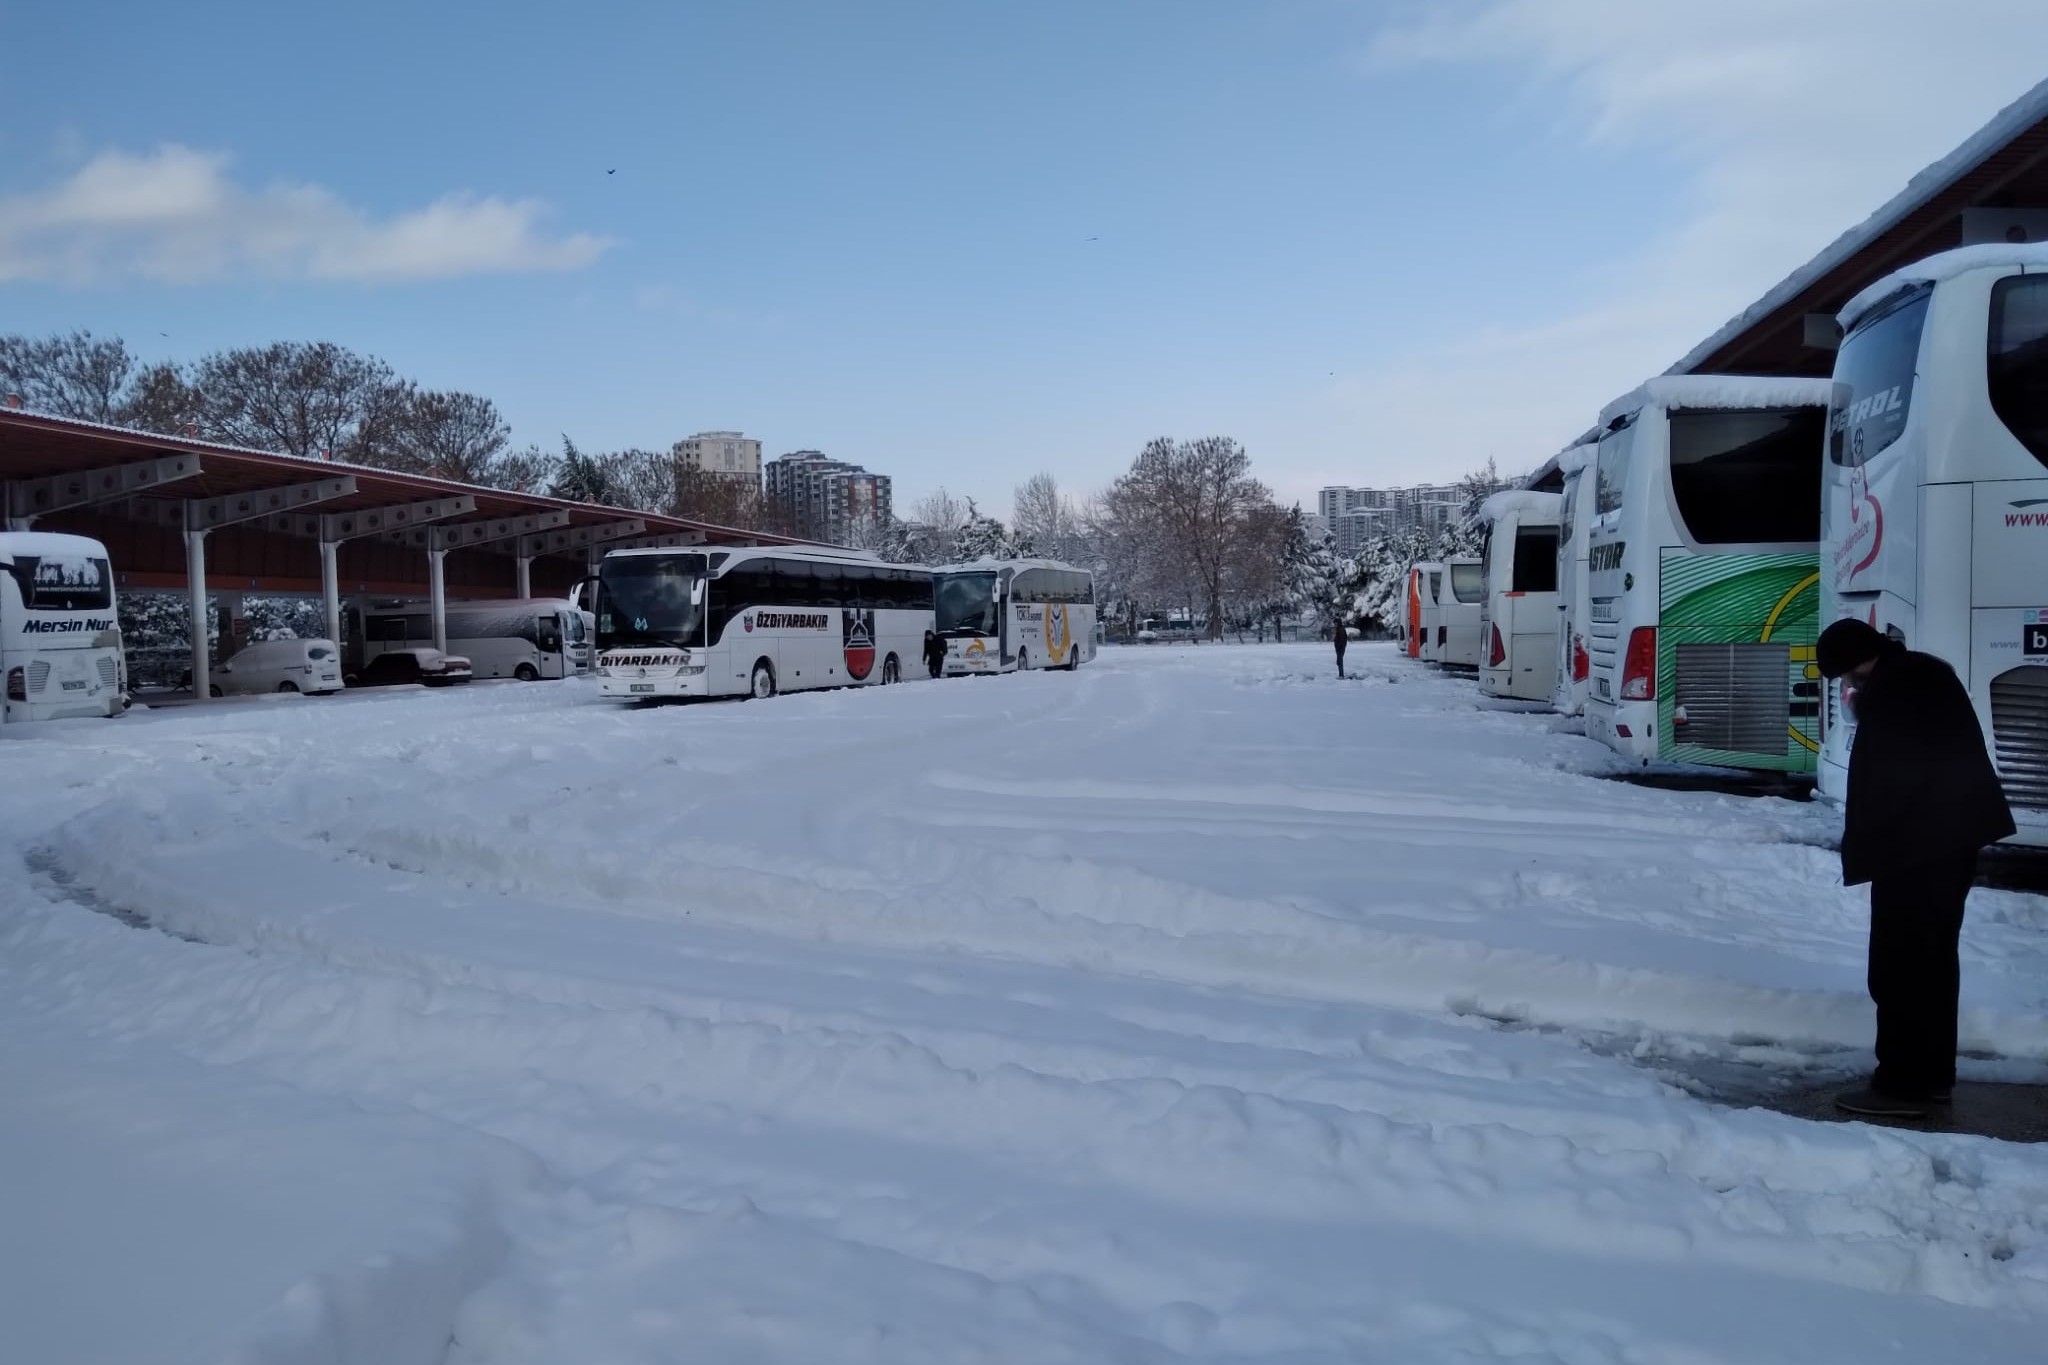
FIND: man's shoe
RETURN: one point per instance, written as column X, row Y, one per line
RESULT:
column 1878, row 1105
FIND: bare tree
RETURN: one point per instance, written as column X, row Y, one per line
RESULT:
column 304, row 398
column 1201, row 496
column 1046, row 517
column 457, row 436
column 940, row 517
column 524, row 471
column 721, row 499
column 70, row 376
column 160, row 400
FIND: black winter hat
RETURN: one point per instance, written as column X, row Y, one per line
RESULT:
column 1845, row 645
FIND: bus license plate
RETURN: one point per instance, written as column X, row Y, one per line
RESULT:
column 639, row 687
column 2034, row 639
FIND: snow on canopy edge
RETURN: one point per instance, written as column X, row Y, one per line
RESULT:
column 2028, row 108
column 1576, row 459
column 1509, row 500
column 1944, row 265
column 1720, row 391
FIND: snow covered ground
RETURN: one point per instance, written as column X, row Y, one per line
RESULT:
column 1198, row 1006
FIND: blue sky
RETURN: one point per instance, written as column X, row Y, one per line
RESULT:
column 1372, row 241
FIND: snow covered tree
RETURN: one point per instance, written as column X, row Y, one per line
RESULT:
column 981, row 536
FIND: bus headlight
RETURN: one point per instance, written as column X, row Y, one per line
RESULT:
column 689, row 670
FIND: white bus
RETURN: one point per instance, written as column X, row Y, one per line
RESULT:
column 1935, row 519
column 524, row 638
column 1704, row 573
column 1431, row 651
column 1518, row 628
column 714, row 621
column 1002, row 616
column 60, row 641
column 1574, row 527
column 1461, row 611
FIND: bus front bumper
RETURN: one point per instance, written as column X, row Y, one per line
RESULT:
column 635, row 684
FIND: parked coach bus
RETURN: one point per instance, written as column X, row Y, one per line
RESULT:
column 528, row 639
column 1461, row 611
column 1433, row 594
column 1010, row 615
column 60, row 646
column 753, row 621
column 1935, row 520
column 1518, row 628
column 1574, row 526
column 1418, row 597
column 1704, row 572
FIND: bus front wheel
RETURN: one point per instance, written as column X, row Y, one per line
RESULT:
column 526, row 673
column 891, row 671
column 764, row 681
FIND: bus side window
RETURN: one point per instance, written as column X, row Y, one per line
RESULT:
column 548, row 635
column 2017, row 369
column 1536, row 559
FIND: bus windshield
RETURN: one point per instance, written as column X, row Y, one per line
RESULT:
column 1874, row 381
column 1468, row 582
column 650, row 600
column 966, row 604
column 63, row 583
column 1611, row 474
column 1750, row 476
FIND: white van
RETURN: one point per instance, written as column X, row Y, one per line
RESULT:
column 310, row 666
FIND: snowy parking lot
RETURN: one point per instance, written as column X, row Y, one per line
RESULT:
column 1196, row 1006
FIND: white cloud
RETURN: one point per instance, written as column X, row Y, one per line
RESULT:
column 175, row 216
column 1787, row 124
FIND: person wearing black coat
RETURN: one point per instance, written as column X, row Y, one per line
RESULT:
column 1923, row 798
column 1338, row 634
column 934, row 653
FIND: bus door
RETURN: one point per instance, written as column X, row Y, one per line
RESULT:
column 550, row 641
column 1005, row 632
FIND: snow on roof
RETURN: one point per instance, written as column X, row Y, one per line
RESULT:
column 1576, row 459
column 1720, row 391
column 985, row 564
column 1519, row 500
column 2028, row 109
column 1945, row 265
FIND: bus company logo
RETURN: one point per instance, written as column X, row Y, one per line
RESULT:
column 747, row 623
column 1859, row 548
column 1056, row 638
column 2028, row 512
column 41, row 627
column 790, row 620
column 1606, row 558
column 975, row 650
column 1863, row 409
column 857, row 636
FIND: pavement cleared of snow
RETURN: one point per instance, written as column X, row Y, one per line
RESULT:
column 1153, row 1012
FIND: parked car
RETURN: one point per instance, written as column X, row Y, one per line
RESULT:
column 311, row 666
column 397, row 667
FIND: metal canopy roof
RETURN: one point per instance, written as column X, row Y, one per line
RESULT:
column 35, row 445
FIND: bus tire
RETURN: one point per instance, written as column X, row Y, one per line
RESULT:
column 892, row 672
column 287, row 687
column 213, row 690
column 764, row 680
column 1023, row 660
column 1074, row 658
column 526, row 673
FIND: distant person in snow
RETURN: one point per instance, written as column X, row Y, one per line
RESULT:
column 934, row 653
column 1337, row 635
column 1923, row 799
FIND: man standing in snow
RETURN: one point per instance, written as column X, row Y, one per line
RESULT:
column 934, row 653
column 1337, row 633
column 1923, row 799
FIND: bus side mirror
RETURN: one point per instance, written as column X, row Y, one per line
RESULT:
column 696, row 592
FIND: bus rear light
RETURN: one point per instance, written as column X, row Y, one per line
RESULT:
column 17, row 685
column 1639, row 667
column 1498, row 653
column 1582, row 663
column 1623, row 731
